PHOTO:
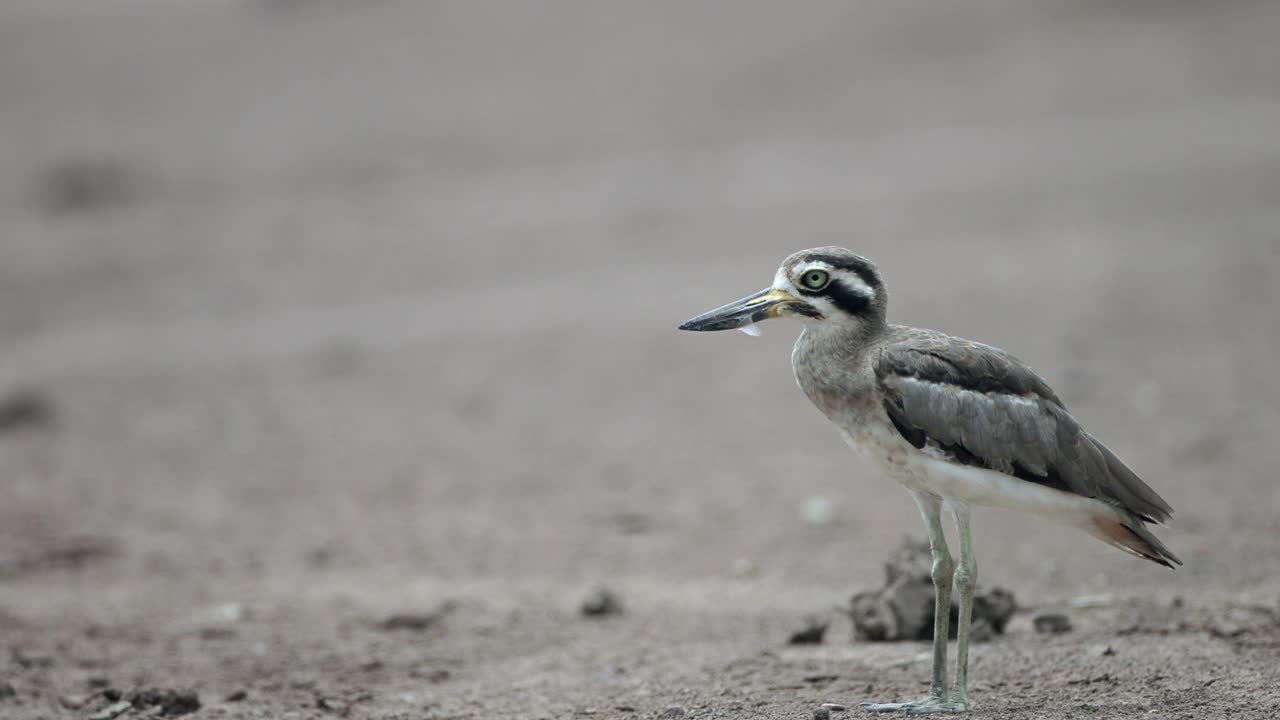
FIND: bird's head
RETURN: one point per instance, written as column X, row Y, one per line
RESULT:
column 827, row 287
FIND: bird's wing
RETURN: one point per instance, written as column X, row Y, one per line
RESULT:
column 984, row 407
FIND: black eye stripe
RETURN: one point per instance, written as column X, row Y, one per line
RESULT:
column 843, row 297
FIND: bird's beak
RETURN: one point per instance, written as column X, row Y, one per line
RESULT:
column 741, row 313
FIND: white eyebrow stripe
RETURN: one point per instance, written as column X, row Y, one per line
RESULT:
column 856, row 284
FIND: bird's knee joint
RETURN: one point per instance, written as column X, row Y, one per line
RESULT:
column 966, row 575
column 943, row 569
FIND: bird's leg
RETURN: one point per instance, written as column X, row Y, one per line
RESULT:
column 941, row 572
column 966, row 579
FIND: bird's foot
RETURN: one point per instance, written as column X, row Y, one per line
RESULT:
column 923, row 707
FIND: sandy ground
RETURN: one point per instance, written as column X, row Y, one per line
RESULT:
column 341, row 312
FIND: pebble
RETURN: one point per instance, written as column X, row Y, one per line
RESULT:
column 811, row 633
column 745, row 568
column 822, row 714
column 817, row 510
column 1092, row 601
column 416, row 622
column 169, row 701
column 1051, row 623
column 23, row 409
column 601, row 602
column 673, row 713
column 112, row 711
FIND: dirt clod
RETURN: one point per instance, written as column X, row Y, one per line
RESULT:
column 903, row 608
column 675, row 712
column 417, row 621
column 410, row 621
column 168, row 700
column 811, row 631
column 601, row 602
column 822, row 714
column 85, row 184
column 70, row 553
column 1051, row 623
column 27, row 410
column 7, row 691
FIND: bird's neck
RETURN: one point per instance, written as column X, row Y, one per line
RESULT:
column 831, row 363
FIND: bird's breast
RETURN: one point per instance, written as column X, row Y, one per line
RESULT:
column 842, row 387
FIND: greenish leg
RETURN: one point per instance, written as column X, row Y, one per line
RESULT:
column 966, row 580
column 938, row 700
column 941, row 573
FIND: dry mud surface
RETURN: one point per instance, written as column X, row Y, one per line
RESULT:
column 339, row 353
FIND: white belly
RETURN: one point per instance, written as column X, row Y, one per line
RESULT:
column 922, row 471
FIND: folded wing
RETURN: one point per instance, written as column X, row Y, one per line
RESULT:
column 984, row 407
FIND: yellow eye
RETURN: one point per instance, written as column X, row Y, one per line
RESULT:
column 815, row 279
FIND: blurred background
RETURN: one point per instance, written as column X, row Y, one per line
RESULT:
column 315, row 312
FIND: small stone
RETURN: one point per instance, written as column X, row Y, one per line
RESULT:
column 7, row 691
column 226, row 613
column 601, row 602
column 1051, row 623
column 112, row 711
column 417, row 622
column 633, row 523
column 834, row 707
column 1092, row 601
column 26, row 408
column 85, row 184
column 822, row 714
column 745, row 568
column 817, row 510
column 673, row 713
column 169, row 702
column 811, row 632
column 237, row 696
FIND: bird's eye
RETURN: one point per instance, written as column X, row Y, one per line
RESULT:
column 815, row 279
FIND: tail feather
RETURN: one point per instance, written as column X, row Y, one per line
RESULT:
column 1129, row 533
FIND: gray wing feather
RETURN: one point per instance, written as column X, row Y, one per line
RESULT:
column 986, row 408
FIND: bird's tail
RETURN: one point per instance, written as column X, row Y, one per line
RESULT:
column 1129, row 533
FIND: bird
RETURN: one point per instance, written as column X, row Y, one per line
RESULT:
column 958, row 423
